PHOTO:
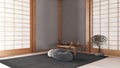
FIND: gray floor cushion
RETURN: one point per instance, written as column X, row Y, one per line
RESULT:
column 50, row 53
column 60, row 54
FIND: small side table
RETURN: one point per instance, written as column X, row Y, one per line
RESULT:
column 73, row 47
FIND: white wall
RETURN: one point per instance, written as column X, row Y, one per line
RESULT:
column 69, row 20
column 74, row 13
column 82, row 22
column 47, row 24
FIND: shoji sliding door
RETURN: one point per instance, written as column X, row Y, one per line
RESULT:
column 15, row 21
column 106, row 21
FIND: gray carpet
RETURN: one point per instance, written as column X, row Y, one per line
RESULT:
column 43, row 61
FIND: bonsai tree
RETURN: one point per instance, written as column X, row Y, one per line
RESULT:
column 99, row 40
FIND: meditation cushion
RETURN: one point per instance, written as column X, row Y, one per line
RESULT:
column 60, row 54
column 50, row 53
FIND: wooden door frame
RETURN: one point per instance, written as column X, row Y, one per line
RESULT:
column 33, row 26
column 88, row 26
